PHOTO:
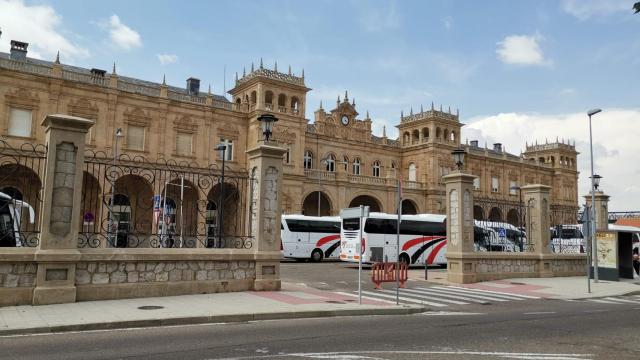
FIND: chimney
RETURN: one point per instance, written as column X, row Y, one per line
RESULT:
column 18, row 50
column 474, row 143
column 497, row 147
column 193, row 86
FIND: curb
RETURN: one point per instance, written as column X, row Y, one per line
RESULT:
column 196, row 320
column 622, row 293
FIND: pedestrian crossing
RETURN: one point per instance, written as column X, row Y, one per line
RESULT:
column 619, row 300
column 440, row 296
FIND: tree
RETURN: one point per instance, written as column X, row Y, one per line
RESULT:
column 636, row 7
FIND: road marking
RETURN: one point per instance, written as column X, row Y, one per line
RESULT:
column 621, row 300
column 475, row 294
column 539, row 313
column 448, row 313
column 421, row 302
column 437, row 293
column 362, row 354
column 367, row 297
column 593, row 311
column 600, row 301
column 342, row 282
column 410, row 292
column 496, row 292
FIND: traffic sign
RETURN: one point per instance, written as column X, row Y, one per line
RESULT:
column 502, row 232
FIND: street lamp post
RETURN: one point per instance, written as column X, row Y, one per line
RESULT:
column 458, row 158
column 594, row 244
column 118, row 135
column 222, row 148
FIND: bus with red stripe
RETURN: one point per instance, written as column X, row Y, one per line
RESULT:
column 310, row 237
column 422, row 238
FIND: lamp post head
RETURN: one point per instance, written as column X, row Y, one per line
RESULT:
column 458, row 157
column 596, row 181
column 267, row 121
column 593, row 111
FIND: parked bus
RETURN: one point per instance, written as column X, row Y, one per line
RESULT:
column 567, row 239
column 422, row 237
column 10, row 220
column 310, row 237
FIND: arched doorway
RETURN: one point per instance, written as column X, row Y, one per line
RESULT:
column 20, row 205
column 230, row 213
column 310, row 204
column 513, row 218
column 366, row 200
column 137, row 211
column 409, row 207
column 478, row 213
column 495, row 214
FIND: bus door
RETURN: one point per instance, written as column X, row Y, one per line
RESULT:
column 300, row 237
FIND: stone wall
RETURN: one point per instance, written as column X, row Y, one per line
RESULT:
column 487, row 266
column 14, row 275
column 101, row 273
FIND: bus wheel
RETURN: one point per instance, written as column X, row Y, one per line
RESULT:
column 316, row 255
column 404, row 258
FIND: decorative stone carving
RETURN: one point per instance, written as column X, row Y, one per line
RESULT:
column 270, row 204
column 454, row 217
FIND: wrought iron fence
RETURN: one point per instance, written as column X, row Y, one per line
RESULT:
column 500, row 225
column 133, row 202
column 21, row 179
column 565, row 233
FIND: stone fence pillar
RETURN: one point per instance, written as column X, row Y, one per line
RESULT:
column 536, row 199
column 265, row 167
column 57, row 252
column 459, row 203
column 602, row 209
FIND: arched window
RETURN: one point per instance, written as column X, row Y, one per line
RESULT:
column 330, row 163
column 415, row 137
column 452, row 136
column 295, row 103
column 356, row 166
column 345, row 163
column 406, row 138
column 268, row 97
column 445, row 135
column 282, row 100
column 254, row 97
column 425, row 134
column 438, row 132
column 238, row 101
column 376, row 168
column 308, row 159
column 412, row 172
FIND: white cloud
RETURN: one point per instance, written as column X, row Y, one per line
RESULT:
column 41, row 27
column 378, row 18
column 567, row 92
column 614, row 138
column 121, row 35
column 448, row 22
column 521, row 50
column 585, row 9
column 166, row 59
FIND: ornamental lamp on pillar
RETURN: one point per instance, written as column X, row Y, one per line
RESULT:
column 596, row 181
column 458, row 157
column 267, row 121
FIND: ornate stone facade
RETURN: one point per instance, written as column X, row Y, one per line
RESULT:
column 334, row 161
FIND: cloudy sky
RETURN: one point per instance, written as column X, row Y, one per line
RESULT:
column 519, row 71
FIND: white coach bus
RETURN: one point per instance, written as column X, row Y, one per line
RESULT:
column 310, row 237
column 10, row 220
column 422, row 237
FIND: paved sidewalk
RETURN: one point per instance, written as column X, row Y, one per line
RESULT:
column 293, row 302
column 567, row 288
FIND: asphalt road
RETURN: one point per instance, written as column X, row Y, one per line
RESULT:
column 537, row 329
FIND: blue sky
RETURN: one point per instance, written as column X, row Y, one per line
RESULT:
column 518, row 61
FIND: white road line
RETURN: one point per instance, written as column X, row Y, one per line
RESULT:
column 600, row 301
column 475, row 294
column 405, row 299
column 593, row 311
column 539, row 313
column 436, row 292
column 367, row 297
column 420, row 298
column 496, row 292
column 621, row 300
column 480, row 292
column 409, row 292
column 359, row 355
